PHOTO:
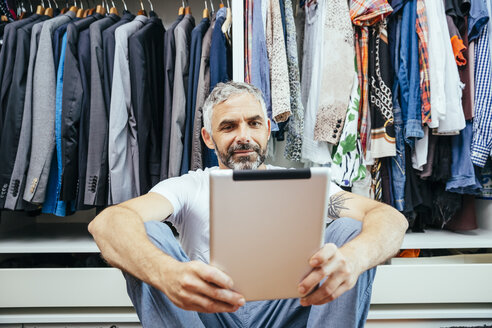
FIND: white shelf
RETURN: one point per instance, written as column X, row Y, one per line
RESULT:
column 64, row 315
column 48, row 238
column 430, row 311
column 429, row 239
column 74, row 238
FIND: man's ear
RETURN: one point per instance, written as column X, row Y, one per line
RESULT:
column 207, row 138
column 269, row 124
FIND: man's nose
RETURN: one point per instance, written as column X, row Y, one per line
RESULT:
column 244, row 134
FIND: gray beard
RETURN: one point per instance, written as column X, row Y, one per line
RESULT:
column 244, row 162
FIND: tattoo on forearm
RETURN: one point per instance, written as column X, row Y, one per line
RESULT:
column 336, row 205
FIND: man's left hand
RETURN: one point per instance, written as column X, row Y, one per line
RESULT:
column 329, row 262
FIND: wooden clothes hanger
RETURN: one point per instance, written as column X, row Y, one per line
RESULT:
column 49, row 10
column 113, row 9
column 74, row 8
column 142, row 10
column 40, row 10
column 100, row 9
column 206, row 13
column 187, row 8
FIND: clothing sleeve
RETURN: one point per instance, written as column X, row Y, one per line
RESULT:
column 334, row 188
column 179, row 192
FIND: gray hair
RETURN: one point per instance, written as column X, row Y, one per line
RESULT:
column 222, row 92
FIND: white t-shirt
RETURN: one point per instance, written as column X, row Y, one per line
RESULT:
column 189, row 195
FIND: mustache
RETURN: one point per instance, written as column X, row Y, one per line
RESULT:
column 244, row 146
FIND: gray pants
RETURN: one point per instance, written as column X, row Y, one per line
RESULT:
column 349, row 310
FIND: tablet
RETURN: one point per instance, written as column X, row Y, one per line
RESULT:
column 264, row 227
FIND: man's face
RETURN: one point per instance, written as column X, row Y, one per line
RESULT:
column 240, row 133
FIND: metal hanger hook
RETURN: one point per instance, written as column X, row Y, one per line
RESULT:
column 151, row 6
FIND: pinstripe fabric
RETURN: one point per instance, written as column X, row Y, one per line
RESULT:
column 482, row 124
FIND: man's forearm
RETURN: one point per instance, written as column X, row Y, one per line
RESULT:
column 120, row 235
column 383, row 229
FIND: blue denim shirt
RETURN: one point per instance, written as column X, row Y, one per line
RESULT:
column 477, row 19
column 409, row 75
column 398, row 177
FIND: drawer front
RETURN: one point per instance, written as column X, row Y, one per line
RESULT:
column 74, row 287
column 433, row 283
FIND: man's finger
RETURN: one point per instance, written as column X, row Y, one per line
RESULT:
column 216, row 293
column 202, row 303
column 332, row 288
column 213, row 275
column 315, row 277
column 323, row 255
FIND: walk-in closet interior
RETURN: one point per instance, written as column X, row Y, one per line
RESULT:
column 393, row 95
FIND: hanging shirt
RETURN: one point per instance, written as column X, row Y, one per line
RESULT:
column 347, row 165
column 293, row 145
column 477, row 19
column 169, row 61
column 380, row 103
column 482, row 132
column 74, row 103
column 220, row 69
column 19, row 172
column 312, row 150
column 97, row 150
column 13, row 109
column 336, row 84
column 203, row 89
column 260, row 66
column 123, row 148
column 279, row 74
column 182, row 35
column 409, row 75
column 43, row 113
column 146, row 51
column 53, row 204
column 108, row 49
column 195, row 59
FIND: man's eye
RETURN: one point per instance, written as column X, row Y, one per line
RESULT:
column 255, row 124
column 226, row 127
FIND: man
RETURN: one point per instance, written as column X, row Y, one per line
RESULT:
column 169, row 290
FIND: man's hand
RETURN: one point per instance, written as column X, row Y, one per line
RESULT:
column 329, row 262
column 196, row 286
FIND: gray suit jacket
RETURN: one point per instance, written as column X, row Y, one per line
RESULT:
column 43, row 112
column 122, row 146
column 202, row 92
column 24, row 148
column 97, row 154
column 182, row 35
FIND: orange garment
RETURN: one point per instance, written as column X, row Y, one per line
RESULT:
column 458, row 48
column 409, row 253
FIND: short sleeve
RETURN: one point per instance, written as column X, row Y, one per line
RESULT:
column 334, row 188
column 179, row 191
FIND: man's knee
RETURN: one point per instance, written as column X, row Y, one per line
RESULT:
column 342, row 230
column 161, row 235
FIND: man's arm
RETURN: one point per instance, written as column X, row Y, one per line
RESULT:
column 383, row 229
column 120, row 234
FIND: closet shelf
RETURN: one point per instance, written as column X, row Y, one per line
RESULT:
column 432, row 239
column 74, row 238
column 48, row 238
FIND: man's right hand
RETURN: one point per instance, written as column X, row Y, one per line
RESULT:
column 197, row 286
